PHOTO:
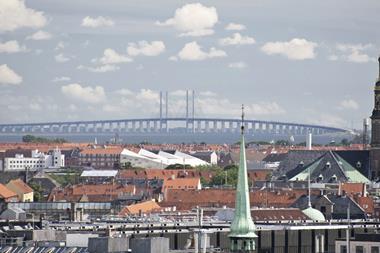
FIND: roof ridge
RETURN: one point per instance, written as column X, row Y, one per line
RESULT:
column 339, row 165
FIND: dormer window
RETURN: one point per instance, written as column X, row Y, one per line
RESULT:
column 328, row 165
column 358, row 165
column 334, row 178
column 320, row 178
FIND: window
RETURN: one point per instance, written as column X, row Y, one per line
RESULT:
column 359, row 249
column 375, row 249
column 343, row 249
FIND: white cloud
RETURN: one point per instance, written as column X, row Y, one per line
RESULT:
column 100, row 69
column 61, row 79
column 358, row 57
column 8, row 76
column 124, row 92
column 173, row 58
column 237, row 65
column 145, row 48
column 147, row 94
column 332, row 57
column 326, row 119
column 60, row 45
column 354, row 53
column 179, row 93
column 208, row 94
column 86, row 94
column 110, row 56
column 193, row 19
column 40, row 35
column 11, row 46
column 97, row 22
column 237, row 39
column 235, row 27
column 212, row 105
column 296, row 49
column 61, row 58
column 193, row 52
column 14, row 15
column 35, row 106
column 348, row 104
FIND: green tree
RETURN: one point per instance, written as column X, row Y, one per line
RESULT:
column 211, row 167
column 37, row 191
column 228, row 175
column 178, row 166
column 282, row 143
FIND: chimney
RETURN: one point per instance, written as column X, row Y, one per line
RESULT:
column 309, row 141
column 365, row 132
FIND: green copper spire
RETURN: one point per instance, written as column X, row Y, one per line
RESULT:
column 242, row 235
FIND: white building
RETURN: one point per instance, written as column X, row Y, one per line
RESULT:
column 362, row 243
column 137, row 160
column 161, row 159
column 37, row 161
column 191, row 160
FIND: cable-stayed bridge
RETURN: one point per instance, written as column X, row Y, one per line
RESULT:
column 185, row 125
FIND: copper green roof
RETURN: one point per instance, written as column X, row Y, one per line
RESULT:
column 242, row 225
column 330, row 168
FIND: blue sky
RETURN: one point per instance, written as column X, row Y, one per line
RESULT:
column 290, row 60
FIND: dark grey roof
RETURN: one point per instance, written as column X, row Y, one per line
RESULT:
column 204, row 153
column 329, row 168
column 355, row 156
column 340, row 205
column 71, row 153
column 170, row 151
column 294, row 157
column 280, row 184
column 154, row 151
column 225, row 158
column 271, row 158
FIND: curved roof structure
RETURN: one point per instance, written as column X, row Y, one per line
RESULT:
column 314, row 214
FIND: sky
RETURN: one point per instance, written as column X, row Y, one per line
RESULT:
column 298, row 61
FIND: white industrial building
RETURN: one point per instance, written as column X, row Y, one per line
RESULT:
column 158, row 159
column 37, row 161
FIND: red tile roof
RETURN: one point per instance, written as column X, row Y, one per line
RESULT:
column 143, row 207
column 21, row 185
column 352, row 189
column 102, row 151
column 188, row 199
column 367, row 203
column 6, row 193
column 181, row 183
column 93, row 192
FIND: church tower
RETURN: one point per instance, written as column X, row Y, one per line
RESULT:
column 375, row 140
column 242, row 232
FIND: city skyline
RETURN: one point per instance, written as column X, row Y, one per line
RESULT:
column 291, row 61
